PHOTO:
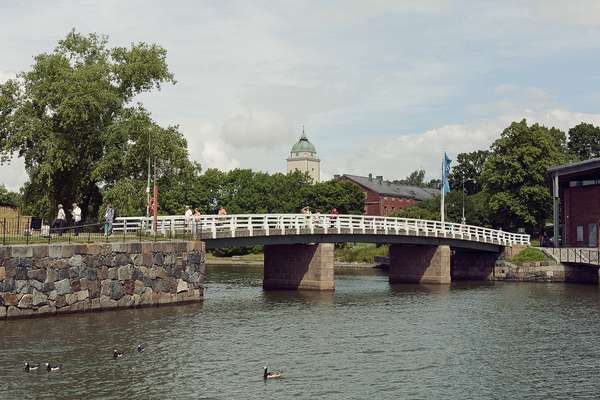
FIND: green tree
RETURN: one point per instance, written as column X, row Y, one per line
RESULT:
column 468, row 167
column 71, row 120
column 515, row 175
column 584, row 141
column 8, row 198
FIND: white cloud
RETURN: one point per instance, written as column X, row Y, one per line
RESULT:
column 13, row 175
column 256, row 128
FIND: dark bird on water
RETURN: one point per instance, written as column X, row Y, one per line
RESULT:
column 117, row 354
column 53, row 368
column 31, row 367
column 140, row 348
column 271, row 375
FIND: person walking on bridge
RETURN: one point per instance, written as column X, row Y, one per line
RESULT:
column 60, row 221
column 109, row 217
column 334, row 214
column 188, row 216
column 222, row 213
column 76, row 214
column 197, row 222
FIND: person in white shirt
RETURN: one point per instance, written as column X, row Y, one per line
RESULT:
column 76, row 214
column 189, row 218
column 60, row 221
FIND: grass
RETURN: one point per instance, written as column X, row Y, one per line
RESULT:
column 245, row 257
column 530, row 254
column 360, row 253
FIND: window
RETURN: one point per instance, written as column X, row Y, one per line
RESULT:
column 580, row 233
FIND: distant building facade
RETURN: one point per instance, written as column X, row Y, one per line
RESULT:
column 576, row 193
column 384, row 198
column 303, row 158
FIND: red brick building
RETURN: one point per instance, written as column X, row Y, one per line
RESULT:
column 576, row 193
column 385, row 198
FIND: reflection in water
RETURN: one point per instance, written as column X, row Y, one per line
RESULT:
column 369, row 339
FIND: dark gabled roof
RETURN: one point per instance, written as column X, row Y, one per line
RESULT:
column 388, row 188
column 574, row 168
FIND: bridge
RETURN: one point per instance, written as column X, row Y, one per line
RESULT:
column 298, row 248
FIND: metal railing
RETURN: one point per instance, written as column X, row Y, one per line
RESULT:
column 244, row 225
column 574, row 255
column 27, row 230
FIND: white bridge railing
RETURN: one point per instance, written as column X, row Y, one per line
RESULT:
column 245, row 225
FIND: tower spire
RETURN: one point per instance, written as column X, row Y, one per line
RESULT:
column 303, row 134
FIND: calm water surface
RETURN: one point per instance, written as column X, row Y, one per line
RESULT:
column 369, row 339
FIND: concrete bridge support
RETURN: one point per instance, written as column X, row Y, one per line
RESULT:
column 473, row 266
column 299, row 267
column 419, row 264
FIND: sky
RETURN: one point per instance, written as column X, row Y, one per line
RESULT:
column 382, row 87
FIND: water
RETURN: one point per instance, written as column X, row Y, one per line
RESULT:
column 369, row 339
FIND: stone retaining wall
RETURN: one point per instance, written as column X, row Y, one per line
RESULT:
column 536, row 272
column 40, row 280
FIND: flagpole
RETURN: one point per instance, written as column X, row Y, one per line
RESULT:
column 442, row 205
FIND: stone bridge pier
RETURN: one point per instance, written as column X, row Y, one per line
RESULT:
column 299, row 267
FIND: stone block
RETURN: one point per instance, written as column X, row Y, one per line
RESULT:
column 125, row 301
column 170, row 259
column 63, row 310
column 52, row 295
column 119, row 247
column 21, row 251
column 2, row 312
column 25, row 262
column 74, row 272
column 161, row 273
column 40, row 251
column 75, row 285
column 107, row 302
column 103, row 273
column 26, row 301
column 158, row 259
column 83, row 295
column 63, row 286
column 67, row 250
column 36, row 285
column 137, row 274
column 22, row 286
column 76, row 261
column 37, row 274
column 8, row 285
column 122, row 259
column 182, row 286
column 112, row 273
column 2, row 273
column 148, row 297
column 125, row 272
column 21, row 273
column 51, row 275
column 139, row 287
column 89, row 273
column 63, row 274
column 39, row 298
column 134, row 248
column 129, row 286
column 116, row 290
column 71, row 298
column 10, row 299
column 137, row 299
column 13, row 312
column 47, row 309
column 55, row 251
column 95, row 304
column 61, row 301
column 166, row 298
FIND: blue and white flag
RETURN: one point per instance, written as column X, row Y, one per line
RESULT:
column 445, row 173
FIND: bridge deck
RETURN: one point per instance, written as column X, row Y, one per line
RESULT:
column 250, row 229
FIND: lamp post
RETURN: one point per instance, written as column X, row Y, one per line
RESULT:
column 463, row 219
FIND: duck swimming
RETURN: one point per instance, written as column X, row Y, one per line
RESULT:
column 140, row 348
column 52, row 368
column 31, row 367
column 117, row 354
column 271, row 375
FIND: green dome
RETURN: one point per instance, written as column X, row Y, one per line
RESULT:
column 303, row 145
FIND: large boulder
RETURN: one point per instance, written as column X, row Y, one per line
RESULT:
column 39, row 298
column 63, row 286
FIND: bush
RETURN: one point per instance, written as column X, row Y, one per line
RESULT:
column 530, row 254
column 360, row 252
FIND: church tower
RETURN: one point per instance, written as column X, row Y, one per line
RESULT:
column 303, row 158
